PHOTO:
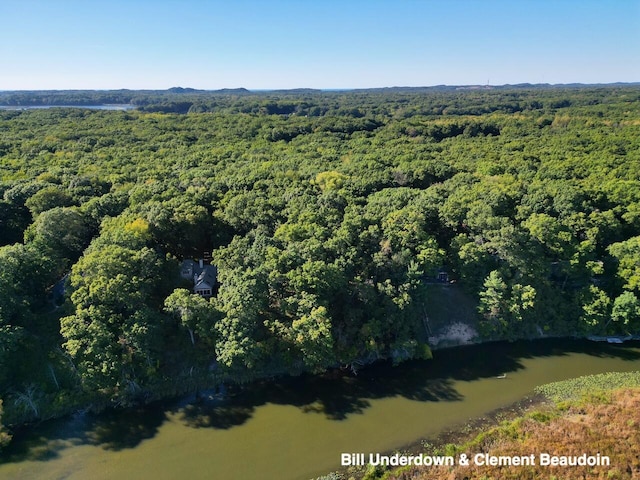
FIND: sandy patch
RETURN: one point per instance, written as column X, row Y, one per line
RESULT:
column 457, row 333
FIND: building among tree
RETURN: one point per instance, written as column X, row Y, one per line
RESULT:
column 204, row 276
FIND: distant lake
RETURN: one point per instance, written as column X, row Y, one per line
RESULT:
column 90, row 107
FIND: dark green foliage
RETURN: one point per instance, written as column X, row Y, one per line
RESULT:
column 48, row 198
column 13, row 221
column 327, row 214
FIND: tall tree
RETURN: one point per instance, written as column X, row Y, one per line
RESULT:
column 194, row 312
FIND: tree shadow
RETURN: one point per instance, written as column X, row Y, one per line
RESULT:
column 559, row 347
column 110, row 430
column 224, row 415
column 604, row 350
column 118, row 430
column 337, row 395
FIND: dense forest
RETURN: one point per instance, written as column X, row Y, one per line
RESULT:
column 328, row 216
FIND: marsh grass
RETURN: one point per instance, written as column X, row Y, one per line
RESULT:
column 586, row 415
column 580, row 387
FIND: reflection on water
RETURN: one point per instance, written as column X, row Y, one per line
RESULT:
column 297, row 427
column 114, row 430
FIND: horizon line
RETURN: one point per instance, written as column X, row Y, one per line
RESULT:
column 335, row 89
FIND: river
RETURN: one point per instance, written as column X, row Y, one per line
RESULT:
column 296, row 428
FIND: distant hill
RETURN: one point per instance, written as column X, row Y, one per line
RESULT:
column 183, row 90
column 185, row 99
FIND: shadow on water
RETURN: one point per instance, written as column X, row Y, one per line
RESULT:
column 223, row 415
column 336, row 395
column 339, row 394
column 110, row 430
column 120, row 430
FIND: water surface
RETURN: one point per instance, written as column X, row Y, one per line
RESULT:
column 297, row 428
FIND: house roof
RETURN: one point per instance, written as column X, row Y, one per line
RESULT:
column 206, row 278
column 203, row 277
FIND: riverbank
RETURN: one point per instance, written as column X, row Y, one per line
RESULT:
column 459, row 434
column 596, row 438
column 297, row 428
column 598, row 413
column 196, row 385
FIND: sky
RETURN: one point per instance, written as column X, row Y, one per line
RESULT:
column 328, row 44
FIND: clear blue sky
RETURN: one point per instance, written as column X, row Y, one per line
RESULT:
column 157, row 44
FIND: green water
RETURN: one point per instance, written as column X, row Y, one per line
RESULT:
column 297, row 428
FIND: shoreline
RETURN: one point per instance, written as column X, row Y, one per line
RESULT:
column 458, row 424
column 457, row 434
column 207, row 387
column 545, row 400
